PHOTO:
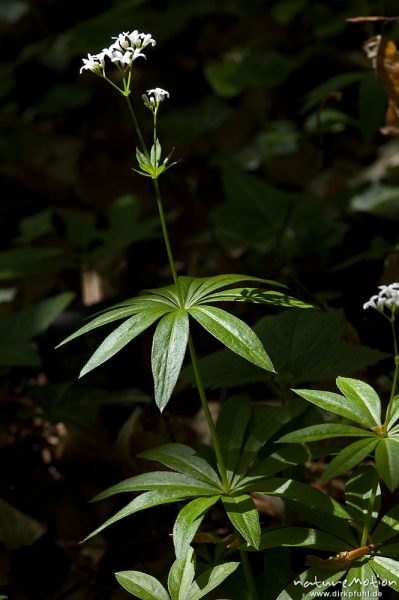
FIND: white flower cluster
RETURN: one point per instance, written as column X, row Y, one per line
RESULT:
column 123, row 52
column 155, row 96
column 388, row 297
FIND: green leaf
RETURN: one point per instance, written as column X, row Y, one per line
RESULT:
column 153, row 480
column 390, row 550
column 146, row 500
column 336, row 404
column 294, row 490
column 333, row 525
column 29, row 261
column 231, row 427
column 199, row 288
column 387, row 461
column 121, row 336
column 350, row 457
column 183, row 459
column 358, row 492
column 357, row 576
column 141, row 585
column 304, row 586
column 18, row 329
column 210, row 579
column 103, row 319
column 388, row 526
column 255, row 296
column 168, row 350
column 188, row 521
column 181, row 576
column 294, row 454
column 324, row 431
column 301, row 536
column 394, row 414
column 233, row 333
column 362, row 395
column 244, row 516
column 387, row 569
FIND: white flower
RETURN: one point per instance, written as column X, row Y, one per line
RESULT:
column 122, row 52
column 155, row 96
column 388, row 297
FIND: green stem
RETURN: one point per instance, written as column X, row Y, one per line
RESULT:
column 249, row 580
column 367, row 522
column 137, row 126
column 396, row 373
column 208, row 416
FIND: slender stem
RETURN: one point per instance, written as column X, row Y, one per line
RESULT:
column 249, row 580
column 208, row 416
column 137, row 126
column 367, row 522
column 396, row 372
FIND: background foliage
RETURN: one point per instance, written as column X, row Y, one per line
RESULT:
column 274, row 113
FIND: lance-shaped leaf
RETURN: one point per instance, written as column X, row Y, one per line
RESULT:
column 168, row 350
column 233, row 333
column 210, row 579
column 201, row 287
column 142, row 502
column 121, row 336
column 188, row 521
column 356, row 578
column 183, row 459
column 255, row 296
column 350, row 457
column 387, row 569
column 288, row 456
column 302, row 536
column 387, row 461
column 181, row 576
column 364, row 397
column 231, row 426
column 142, row 586
column 393, row 414
column 160, row 480
column 244, row 516
column 388, row 526
column 304, row 586
column 358, row 493
column 338, row 404
column 324, row 431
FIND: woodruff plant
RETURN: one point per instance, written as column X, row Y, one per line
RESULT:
column 246, row 459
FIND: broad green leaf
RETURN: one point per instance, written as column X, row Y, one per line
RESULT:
column 362, row 395
column 324, row 431
column 183, row 459
column 394, row 414
column 304, row 586
column 294, row 454
column 254, row 296
column 350, row 457
column 265, row 422
column 233, row 333
column 121, row 336
column 188, row 521
column 336, row 404
column 294, row 490
column 324, row 521
column 201, row 287
column 146, row 500
column 359, row 580
column 168, row 349
column 181, row 576
column 154, row 480
column 18, row 329
column 142, row 586
column 301, row 536
column 210, row 579
column 244, row 516
column 387, row 569
column 231, row 427
column 387, row 461
column 103, row 319
column 388, row 526
column 358, row 492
